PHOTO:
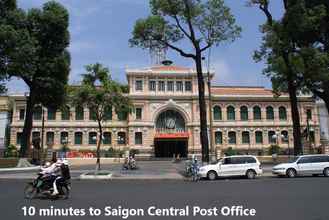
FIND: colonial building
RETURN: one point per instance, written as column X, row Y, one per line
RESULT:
column 165, row 120
column 324, row 123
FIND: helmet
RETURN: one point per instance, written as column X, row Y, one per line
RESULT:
column 65, row 162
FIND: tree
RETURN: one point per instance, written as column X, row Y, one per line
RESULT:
column 309, row 28
column 202, row 23
column 100, row 94
column 33, row 48
column 283, row 67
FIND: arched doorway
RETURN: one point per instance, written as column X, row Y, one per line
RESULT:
column 171, row 138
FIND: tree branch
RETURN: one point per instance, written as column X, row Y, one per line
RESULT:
column 264, row 7
column 182, row 53
column 206, row 47
column 189, row 22
column 181, row 27
column 178, row 23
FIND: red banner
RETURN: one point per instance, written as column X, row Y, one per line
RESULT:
column 172, row 135
column 77, row 154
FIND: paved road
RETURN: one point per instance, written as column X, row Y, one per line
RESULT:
column 155, row 169
column 273, row 198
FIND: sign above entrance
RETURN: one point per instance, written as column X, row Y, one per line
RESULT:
column 172, row 135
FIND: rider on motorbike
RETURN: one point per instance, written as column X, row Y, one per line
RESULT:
column 55, row 172
column 194, row 166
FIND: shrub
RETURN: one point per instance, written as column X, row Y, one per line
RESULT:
column 111, row 152
column 230, row 152
column 133, row 152
column 274, row 149
column 11, row 151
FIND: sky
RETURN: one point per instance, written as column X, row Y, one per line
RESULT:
column 100, row 30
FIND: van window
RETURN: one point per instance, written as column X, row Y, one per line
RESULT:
column 227, row 161
column 251, row 160
column 305, row 160
column 320, row 159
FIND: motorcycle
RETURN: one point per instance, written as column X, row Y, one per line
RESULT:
column 43, row 186
column 192, row 171
column 130, row 164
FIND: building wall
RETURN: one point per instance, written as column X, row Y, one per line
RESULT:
column 186, row 103
column 324, row 121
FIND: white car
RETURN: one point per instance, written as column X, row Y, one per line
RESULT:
column 304, row 165
column 245, row 165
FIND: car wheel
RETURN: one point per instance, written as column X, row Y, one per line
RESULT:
column 291, row 173
column 251, row 174
column 212, row 175
column 326, row 172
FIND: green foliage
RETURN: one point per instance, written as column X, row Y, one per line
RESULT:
column 230, row 151
column 33, row 48
column 111, row 152
column 11, row 151
column 204, row 23
column 274, row 149
column 133, row 152
column 99, row 93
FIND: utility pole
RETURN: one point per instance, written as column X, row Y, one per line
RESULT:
column 42, row 134
column 211, row 135
column 212, row 148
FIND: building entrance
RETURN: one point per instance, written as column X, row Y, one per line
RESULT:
column 170, row 147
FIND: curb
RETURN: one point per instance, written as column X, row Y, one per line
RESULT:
column 19, row 169
column 87, row 176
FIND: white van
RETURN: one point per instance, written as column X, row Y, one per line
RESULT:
column 304, row 165
column 244, row 165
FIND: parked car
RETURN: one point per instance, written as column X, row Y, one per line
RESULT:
column 304, row 165
column 244, row 165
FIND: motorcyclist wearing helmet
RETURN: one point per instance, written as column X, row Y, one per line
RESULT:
column 63, row 174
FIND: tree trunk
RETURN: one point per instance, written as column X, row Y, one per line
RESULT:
column 203, row 109
column 295, row 117
column 28, row 124
column 98, row 162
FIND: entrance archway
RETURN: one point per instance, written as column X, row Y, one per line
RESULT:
column 171, row 138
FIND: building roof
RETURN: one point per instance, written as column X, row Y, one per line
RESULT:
column 241, row 90
column 169, row 68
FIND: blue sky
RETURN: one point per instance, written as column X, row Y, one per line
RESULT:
column 100, row 30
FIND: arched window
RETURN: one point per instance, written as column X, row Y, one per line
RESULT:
column 122, row 116
column 108, row 113
column 107, row 138
column 272, row 137
column 121, row 138
column 79, row 113
column 78, row 138
column 50, row 136
column 138, row 138
column 64, row 137
column 269, row 113
column 245, row 137
column 282, row 113
column 218, row 137
column 37, row 113
column 92, row 139
column 257, row 113
column 244, row 113
column 66, row 113
column 51, row 114
column 217, row 113
column 92, row 115
column 230, row 113
column 259, row 137
column 231, row 137
column 284, row 137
